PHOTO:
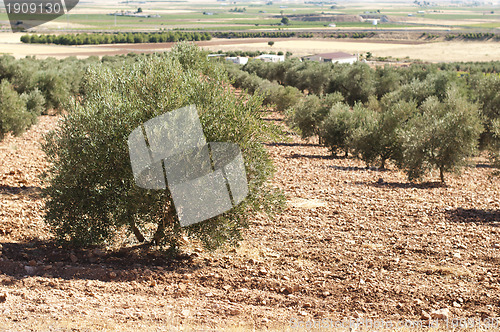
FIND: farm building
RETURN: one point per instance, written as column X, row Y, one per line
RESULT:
column 271, row 58
column 239, row 60
column 216, row 57
column 335, row 57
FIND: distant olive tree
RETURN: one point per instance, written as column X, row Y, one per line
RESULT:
column 356, row 82
column 14, row 117
column 485, row 91
column 35, row 102
column 54, row 89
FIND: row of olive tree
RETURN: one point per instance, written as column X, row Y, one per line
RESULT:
column 274, row 94
column 436, row 134
column 115, row 38
column 31, row 87
column 359, row 84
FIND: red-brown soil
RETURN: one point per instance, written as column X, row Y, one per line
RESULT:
column 352, row 243
column 116, row 49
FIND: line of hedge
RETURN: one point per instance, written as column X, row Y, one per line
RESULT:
column 115, row 38
column 261, row 34
column 473, row 36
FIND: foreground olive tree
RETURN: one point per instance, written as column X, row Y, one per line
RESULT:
column 91, row 194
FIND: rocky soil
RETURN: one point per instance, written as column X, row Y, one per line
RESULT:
column 353, row 243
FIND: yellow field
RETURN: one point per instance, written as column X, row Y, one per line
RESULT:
column 434, row 52
column 10, row 44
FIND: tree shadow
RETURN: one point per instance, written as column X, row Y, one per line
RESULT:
column 53, row 260
column 291, row 144
column 272, row 120
column 311, row 156
column 483, row 166
column 461, row 215
column 30, row 190
column 357, row 168
column 408, row 185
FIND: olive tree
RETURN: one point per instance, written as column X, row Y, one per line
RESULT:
column 54, row 88
column 35, row 101
column 338, row 127
column 443, row 135
column 14, row 117
column 309, row 112
column 377, row 138
column 91, row 195
column 484, row 90
column 356, row 82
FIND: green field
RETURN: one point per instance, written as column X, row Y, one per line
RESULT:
column 251, row 16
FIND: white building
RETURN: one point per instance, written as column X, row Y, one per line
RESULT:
column 239, row 60
column 334, row 57
column 217, row 56
column 271, row 58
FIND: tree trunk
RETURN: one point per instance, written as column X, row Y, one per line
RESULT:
column 168, row 217
column 382, row 164
column 441, row 175
column 137, row 232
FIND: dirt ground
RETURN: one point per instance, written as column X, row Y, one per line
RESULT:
column 353, row 243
